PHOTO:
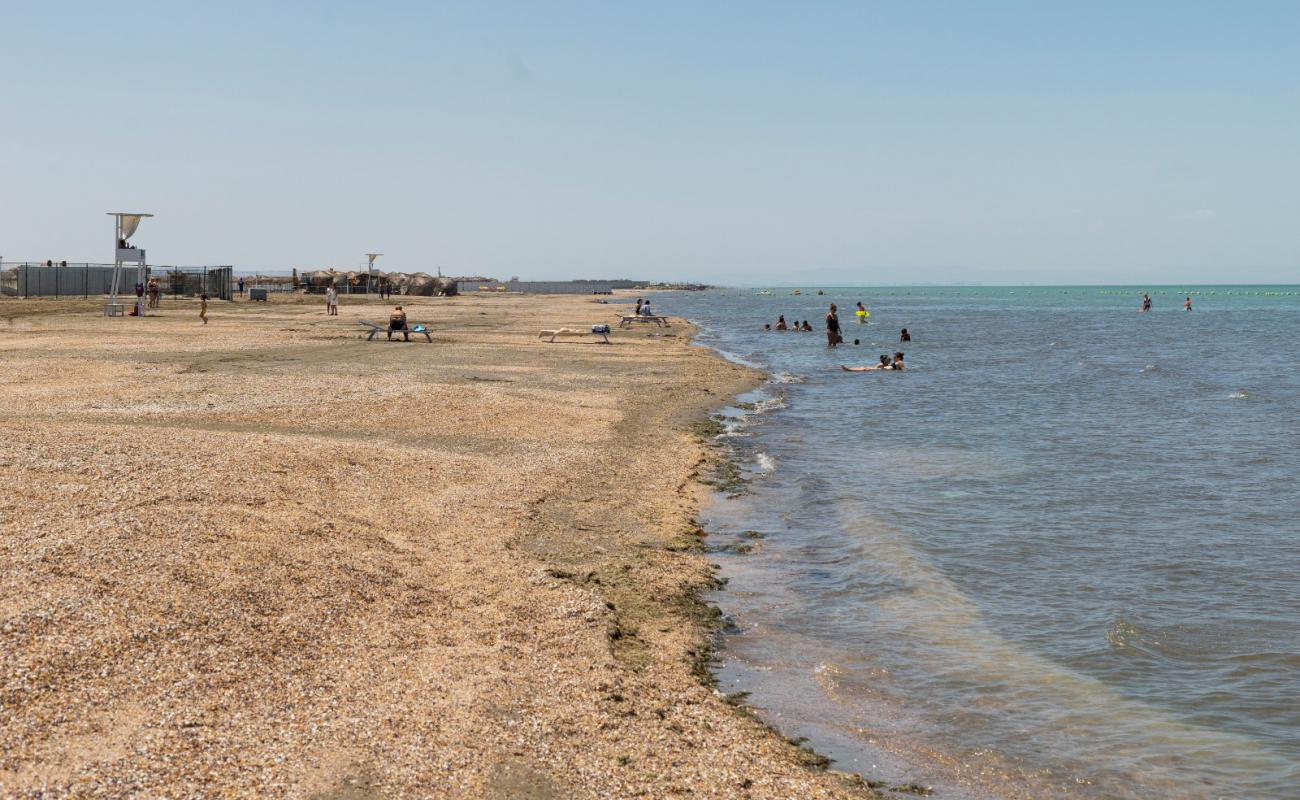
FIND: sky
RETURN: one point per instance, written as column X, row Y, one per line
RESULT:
column 739, row 143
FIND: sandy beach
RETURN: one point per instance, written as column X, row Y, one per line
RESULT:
column 265, row 557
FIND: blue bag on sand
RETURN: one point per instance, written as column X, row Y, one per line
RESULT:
column 418, row 329
column 600, row 329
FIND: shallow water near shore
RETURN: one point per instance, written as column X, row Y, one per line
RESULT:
column 1056, row 557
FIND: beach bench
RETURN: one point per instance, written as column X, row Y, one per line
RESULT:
column 660, row 321
column 375, row 330
column 552, row 333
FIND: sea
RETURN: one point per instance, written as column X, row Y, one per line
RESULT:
column 1057, row 556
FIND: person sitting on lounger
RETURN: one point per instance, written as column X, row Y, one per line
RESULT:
column 645, row 309
column 397, row 322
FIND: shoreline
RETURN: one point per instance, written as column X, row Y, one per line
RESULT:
column 470, row 569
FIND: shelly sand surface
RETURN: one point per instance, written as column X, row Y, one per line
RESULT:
column 266, row 557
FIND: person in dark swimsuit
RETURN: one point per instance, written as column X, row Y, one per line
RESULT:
column 833, row 327
column 397, row 322
column 904, row 336
column 780, row 323
column 1146, row 302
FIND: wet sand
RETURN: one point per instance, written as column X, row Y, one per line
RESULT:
column 265, row 557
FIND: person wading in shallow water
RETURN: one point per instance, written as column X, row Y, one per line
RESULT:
column 833, row 327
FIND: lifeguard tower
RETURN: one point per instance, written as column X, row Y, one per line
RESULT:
column 370, row 273
column 125, row 225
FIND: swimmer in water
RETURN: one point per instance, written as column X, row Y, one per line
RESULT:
column 806, row 327
column 780, row 323
column 767, row 326
column 898, row 362
column 1187, row 304
column 1146, row 302
column 884, row 364
column 862, row 314
column 904, row 336
column 833, row 327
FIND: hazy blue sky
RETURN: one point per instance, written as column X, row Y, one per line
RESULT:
column 727, row 142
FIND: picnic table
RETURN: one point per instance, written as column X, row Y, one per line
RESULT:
column 660, row 321
column 410, row 328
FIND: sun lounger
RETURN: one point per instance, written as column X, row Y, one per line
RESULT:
column 660, row 321
column 417, row 328
column 597, row 330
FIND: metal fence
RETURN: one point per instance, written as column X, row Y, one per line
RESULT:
column 89, row 280
column 537, row 287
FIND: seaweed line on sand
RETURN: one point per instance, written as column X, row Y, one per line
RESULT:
column 722, row 474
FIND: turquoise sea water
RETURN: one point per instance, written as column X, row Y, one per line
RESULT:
column 1057, row 557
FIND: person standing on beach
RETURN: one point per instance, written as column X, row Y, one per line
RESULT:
column 331, row 302
column 241, row 286
column 833, row 327
column 203, row 308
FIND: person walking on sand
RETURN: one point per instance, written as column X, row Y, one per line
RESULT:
column 397, row 322
column 1187, row 304
column 331, row 302
column 833, row 327
column 203, row 308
